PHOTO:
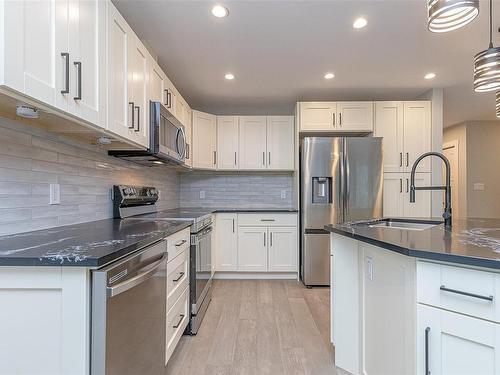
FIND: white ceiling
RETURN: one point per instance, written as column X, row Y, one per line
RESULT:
column 280, row 50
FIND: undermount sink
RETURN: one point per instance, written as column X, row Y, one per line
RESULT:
column 405, row 225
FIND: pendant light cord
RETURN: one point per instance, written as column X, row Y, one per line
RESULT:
column 491, row 24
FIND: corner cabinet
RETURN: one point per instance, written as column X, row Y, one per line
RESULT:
column 54, row 52
column 204, row 135
column 336, row 117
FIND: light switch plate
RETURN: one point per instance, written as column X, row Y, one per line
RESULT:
column 283, row 194
column 478, row 186
column 55, row 194
column 202, row 194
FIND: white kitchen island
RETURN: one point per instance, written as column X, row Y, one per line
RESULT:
column 400, row 309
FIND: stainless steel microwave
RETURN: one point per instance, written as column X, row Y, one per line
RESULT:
column 167, row 140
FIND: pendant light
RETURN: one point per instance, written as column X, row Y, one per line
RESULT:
column 448, row 15
column 487, row 65
column 498, row 104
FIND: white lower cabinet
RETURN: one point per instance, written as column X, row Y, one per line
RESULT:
column 397, row 195
column 450, row 344
column 252, row 249
column 226, row 239
column 282, row 251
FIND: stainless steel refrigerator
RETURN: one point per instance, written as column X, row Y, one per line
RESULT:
column 340, row 181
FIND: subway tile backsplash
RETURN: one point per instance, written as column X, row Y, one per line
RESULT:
column 31, row 159
column 236, row 189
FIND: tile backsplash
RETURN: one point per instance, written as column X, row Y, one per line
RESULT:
column 31, row 159
column 236, row 189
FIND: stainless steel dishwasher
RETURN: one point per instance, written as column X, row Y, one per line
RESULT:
column 129, row 314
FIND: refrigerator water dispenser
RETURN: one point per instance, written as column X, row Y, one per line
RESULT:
column 322, row 190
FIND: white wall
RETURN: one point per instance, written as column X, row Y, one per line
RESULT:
column 31, row 159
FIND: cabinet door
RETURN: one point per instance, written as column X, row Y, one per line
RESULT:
column 282, row 253
column 204, row 140
column 417, row 134
column 394, row 195
column 317, row 116
column 156, row 82
column 389, row 126
column 456, row 344
column 252, row 143
column 252, row 249
column 87, row 54
column 422, row 205
column 120, row 106
column 35, row 33
column 226, row 252
column 138, row 88
column 227, row 142
column 280, row 142
column 355, row 116
column 170, row 97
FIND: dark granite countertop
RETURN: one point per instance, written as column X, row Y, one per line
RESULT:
column 474, row 242
column 90, row 244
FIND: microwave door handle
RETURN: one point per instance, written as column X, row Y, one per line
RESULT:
column 136, row 280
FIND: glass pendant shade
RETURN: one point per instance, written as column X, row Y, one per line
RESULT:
column 487, row 70
column 448, row 15
column 498, row 104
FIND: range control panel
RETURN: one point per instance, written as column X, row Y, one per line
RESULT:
column 126, row 195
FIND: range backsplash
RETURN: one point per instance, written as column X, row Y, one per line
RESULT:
column 32, row 159
column 236, row 189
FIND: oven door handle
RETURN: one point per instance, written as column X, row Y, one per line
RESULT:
column 136, row 280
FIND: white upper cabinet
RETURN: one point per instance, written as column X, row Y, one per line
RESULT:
column 227, row 142
column 417, row 134
column 336, row 116
column 156, row 82
column 389, row 126
column 87, row 46
column 317, row 116
column 119, row 39
column 252, row 143
column 355, row 116
column 406, row 129
column 204, row 135
column 280, row 142
column 54, row 52
column 138, row 91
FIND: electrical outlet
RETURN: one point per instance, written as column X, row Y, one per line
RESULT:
column 478, row 186
column 369, row 267
column 202, row 194
column 55, row 194
column 158, row 191
column 283, row 194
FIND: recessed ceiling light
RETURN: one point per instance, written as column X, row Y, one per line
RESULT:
column 229, row 76
column 329, row 75
column 359, row 23
column 219, row 11
column 430, row 76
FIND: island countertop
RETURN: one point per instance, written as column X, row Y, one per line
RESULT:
column 474, row 242
column 91, row 244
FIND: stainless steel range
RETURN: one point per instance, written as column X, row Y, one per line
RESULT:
column 140, row 203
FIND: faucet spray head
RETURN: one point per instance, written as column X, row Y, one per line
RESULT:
column 412, row 194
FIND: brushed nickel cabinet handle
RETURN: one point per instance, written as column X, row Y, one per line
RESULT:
column 473, row 295
column 263, row 158
column 215, row 157
column 180, row 243
column 138, row 118
column 340, row 119
column 66, row 73
column 407, row 159
column 427, row 331
column 235, row 158
column 181, row 318
column 269, row 160
column 180, row 277
column 333, row 116
column 400, row 185
column 78, row 65
column 132, row 106
column 264, row 238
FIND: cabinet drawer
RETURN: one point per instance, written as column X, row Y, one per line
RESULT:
column 177, row 277
column 267, row 219
column 177, row 320
column 177, row 243
column 463, row 290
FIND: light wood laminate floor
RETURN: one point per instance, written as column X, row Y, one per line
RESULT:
column 259, row 327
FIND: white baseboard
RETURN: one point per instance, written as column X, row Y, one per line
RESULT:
column 256, row 275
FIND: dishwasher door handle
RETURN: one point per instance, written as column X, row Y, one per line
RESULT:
column 136, row 280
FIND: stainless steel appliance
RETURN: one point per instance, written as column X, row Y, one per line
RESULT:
column 340, row 181
column 138, row 202
column 129, row 314
column 167, row 139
